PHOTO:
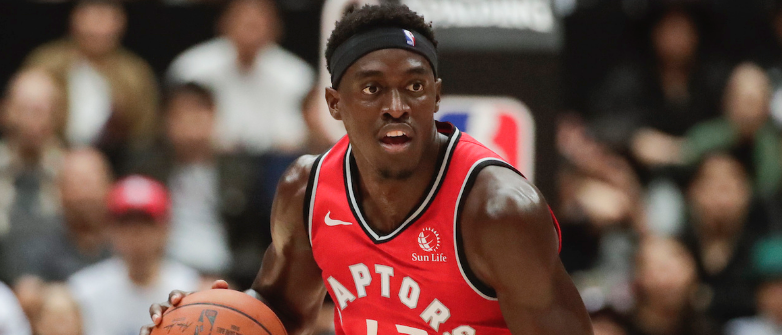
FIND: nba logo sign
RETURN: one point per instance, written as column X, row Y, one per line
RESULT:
column 505, row 125
column 410, row 37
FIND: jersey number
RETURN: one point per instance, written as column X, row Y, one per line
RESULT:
column 462, row 330
column 372, row 329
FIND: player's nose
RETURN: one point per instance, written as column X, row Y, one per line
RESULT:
column 396, row 107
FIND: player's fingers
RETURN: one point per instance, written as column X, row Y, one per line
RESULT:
column 175, row 297
column 220, row 284
column 156, row 312
column 146, row 330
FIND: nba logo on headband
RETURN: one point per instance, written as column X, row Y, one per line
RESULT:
column 410, row 37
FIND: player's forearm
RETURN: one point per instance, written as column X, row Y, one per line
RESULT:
column 560, row 312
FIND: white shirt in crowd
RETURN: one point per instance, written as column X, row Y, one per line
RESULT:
column 12, row 319
column 259, row 110
column 111, row 304
column 198, row 237
column 89, row 104
column 757, row 325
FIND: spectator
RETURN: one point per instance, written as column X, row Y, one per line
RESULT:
column 112, row 93
column 725, row 222
column 767, row 267
column 745, row 129
column 646, row 106
column 599, row 203
column 114, row 295
column 186, row 161
column 12, row 319
column 259, row 87
column 649, row 103
column 666, row 284
column 30, row 158
column 59, row 313
column 55, row 255
column 84, row 183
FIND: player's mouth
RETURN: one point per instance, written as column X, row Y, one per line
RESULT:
column 395, row 141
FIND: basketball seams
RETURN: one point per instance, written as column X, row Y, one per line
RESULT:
column 226, row 307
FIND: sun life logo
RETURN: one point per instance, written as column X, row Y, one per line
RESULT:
column 429, row 240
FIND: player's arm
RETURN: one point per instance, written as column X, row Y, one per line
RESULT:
column 511, row 245
column 289, row 280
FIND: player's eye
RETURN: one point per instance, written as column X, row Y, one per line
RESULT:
column 415, row 87
column 371, row 89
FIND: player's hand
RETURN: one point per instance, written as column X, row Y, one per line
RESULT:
column 174, row 298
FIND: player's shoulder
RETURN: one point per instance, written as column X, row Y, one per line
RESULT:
column 503, row 203
column 502, row 195
column 288, row 205
column 297, row 175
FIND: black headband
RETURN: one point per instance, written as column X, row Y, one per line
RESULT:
column 359, row 45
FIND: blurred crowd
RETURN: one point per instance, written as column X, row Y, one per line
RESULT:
column 669, row 186
column 117, row 185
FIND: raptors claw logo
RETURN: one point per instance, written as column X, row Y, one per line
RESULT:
column 429, row 240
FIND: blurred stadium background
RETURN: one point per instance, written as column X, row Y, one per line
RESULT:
column 653, row 128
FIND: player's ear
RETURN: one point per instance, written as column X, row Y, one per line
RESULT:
column 438, row 85
column 332, row 100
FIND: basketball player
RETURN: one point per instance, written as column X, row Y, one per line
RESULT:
column 410, row 225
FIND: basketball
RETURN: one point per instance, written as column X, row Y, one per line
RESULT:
column 220, row 311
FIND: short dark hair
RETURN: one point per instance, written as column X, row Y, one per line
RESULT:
column 370, row 17
column 201, row 92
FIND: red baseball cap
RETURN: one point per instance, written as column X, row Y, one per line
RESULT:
column 137, row 193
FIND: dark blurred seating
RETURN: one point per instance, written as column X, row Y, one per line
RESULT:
column 666, row 292
column 725, row 221
column 767, row 270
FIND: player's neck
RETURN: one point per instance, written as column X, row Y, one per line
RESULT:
column 384, row 207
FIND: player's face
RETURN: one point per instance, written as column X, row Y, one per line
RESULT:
column 387, row 101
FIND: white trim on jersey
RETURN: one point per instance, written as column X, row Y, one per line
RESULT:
column 455, row 219
column 312, row 195
column 449, row 152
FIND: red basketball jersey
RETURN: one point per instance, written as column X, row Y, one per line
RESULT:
column 413, row 280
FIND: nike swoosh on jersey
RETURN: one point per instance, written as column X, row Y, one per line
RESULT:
column 331, row 222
